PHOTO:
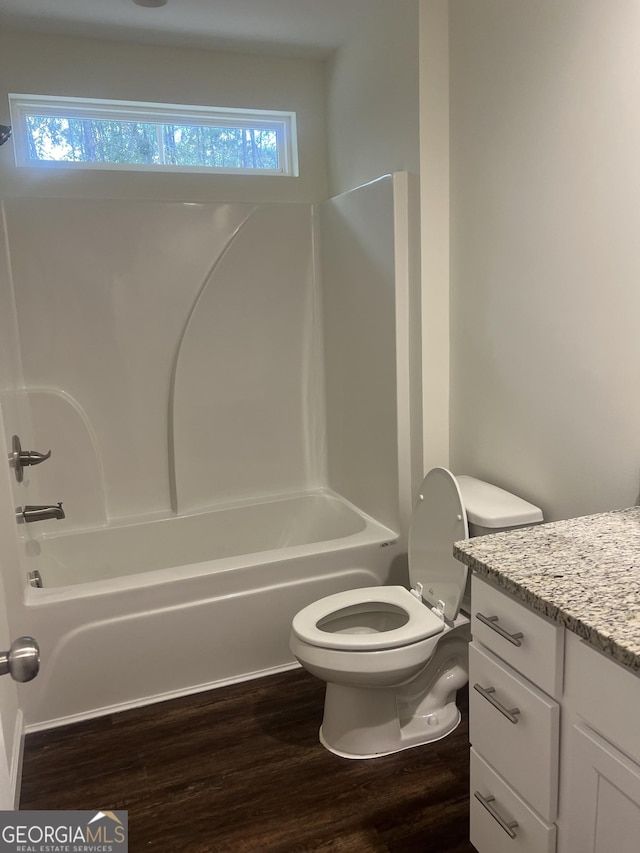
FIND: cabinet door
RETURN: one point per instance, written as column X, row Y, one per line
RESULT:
column 604, row 796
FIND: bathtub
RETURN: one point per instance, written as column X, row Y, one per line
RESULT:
column 131, row 614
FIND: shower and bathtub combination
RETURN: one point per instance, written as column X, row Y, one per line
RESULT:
column 226, row 391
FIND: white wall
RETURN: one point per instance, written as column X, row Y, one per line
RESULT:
column 57, row 65
column 545, row 142
column 434, row 225
column 372, row 100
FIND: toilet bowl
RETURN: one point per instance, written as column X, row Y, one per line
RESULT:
column 394, row 658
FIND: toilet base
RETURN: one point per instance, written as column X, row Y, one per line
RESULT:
column 360, row 723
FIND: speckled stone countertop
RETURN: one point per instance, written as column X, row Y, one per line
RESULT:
column 583, row 573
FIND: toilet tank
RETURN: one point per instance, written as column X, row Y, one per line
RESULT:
column 491, row 509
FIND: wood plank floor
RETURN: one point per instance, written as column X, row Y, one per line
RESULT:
column 240, row 769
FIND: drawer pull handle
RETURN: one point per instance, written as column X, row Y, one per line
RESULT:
column 487, row 693
column 486, row 802
column 492, row 622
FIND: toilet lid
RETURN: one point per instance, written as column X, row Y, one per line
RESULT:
column 439, row 519
column 329, row 623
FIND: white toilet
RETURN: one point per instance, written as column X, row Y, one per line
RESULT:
column 393, row 659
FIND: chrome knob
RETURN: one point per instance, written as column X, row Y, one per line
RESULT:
column 22, row 661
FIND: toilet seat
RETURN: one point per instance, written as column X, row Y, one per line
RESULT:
column 439, row 520
column 421, row 622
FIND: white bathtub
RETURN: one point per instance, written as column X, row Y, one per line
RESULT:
column 132, row 614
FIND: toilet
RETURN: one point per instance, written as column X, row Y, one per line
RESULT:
column 394, row 658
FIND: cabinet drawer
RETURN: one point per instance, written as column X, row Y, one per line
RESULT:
column 536, row 650
column 522, row 744
column 531, row 834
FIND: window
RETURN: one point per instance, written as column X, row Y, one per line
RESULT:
column 87, row 133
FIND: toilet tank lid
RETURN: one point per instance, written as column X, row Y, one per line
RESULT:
column 490, row 506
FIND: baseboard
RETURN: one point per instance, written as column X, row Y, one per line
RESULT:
column 152, row 700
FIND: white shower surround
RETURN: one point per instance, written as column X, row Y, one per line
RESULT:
column 276, row 368
column 117, row 302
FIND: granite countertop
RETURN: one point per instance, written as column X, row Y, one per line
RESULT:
column 584, row 573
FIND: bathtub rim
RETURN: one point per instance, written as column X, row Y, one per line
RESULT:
column 123, row 522
column 374, row 533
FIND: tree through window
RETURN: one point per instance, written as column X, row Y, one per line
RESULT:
column 110, row 134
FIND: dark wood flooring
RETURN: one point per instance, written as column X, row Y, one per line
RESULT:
column 240, row 769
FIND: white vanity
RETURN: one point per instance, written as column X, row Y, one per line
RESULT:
column 554, row 687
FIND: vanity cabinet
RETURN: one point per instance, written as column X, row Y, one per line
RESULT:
column 554, row 726
column 515, row 679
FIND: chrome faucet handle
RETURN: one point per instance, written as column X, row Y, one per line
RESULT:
column 20, row 458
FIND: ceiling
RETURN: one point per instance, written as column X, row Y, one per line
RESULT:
column 305, row 28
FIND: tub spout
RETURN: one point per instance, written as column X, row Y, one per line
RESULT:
column 39, row 513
